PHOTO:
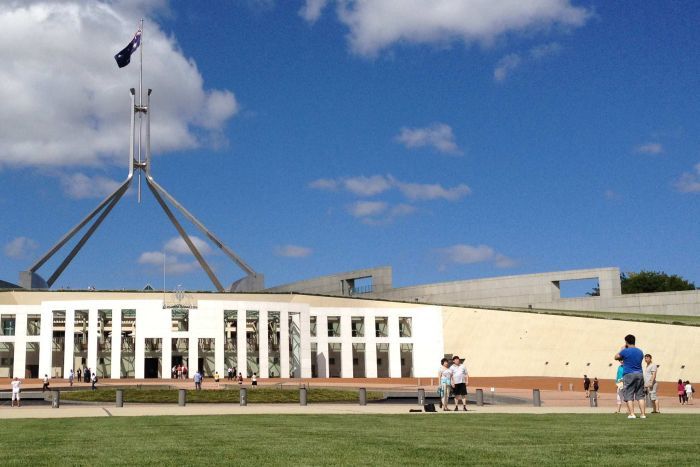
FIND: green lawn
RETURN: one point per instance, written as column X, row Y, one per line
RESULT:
column 259, row 394
column 420, row 439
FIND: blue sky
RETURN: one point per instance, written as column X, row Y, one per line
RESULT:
column 449, row 139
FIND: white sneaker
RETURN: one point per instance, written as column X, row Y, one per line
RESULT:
column 631, row 416
column 642, row 416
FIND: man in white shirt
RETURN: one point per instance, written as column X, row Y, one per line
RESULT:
column 650, row 383
column 16, row 383
column 460, row 378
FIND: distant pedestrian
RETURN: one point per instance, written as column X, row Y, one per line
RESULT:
column 596, row 385
column 93, row 380
column 79, row 374
column 254, row 380
column 682, row 398
column 184, row 371
column 198, row 381
column 632, row 378
column 216, row 376
column 46, row 383
column 86, row 374
column 240, row 378
column 445, row 385
column 651, row 385
column 230, row 373
column 688, row 392
column 587, row 385
column 16, row 389
column 71, row 376
column 460, row 379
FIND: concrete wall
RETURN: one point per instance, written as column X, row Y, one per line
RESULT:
column 503, row 343
column 337, row 284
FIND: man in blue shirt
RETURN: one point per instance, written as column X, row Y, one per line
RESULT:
column 632, row 376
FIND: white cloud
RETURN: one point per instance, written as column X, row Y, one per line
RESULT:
column 649, row 148
column 65, row 99
column 432, row 191
column 20, row 247
column 377, row 184
column 545, row 50
column 173, row 265
column 311, row 10
column 177, row 246
column 437, row 135
column 375, row 25
column 471, row 254
column 293, row 251
column 367, row 208
column 689, row 182
column 505, row 66
column 80, row 186
column 367, row 186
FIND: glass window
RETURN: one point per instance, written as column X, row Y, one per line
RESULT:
column 8, row 326
column 358, row 326
column 334, row 326
column 381, row 326
column 33, row 325
column 405, row 327
column 312, row 330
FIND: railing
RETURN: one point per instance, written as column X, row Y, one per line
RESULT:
column 362, row 289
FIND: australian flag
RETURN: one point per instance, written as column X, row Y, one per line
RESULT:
column 124, row 56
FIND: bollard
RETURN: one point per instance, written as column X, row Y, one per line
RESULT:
column 120, row 398
column 493, row 396
column 593, row 398
column 536, row 401
column 363, row 396
column 480, row 397
column 421, row 396
column 571, row 386
column 302, row 396
column 55, row 399
column 244, row 396
column 181, row 397
column 561, row 387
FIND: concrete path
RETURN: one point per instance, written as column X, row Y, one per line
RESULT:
column 136, row 410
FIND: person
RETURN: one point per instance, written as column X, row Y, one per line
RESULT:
column 460, row 378
column 445, row 378
column 79, row 373
column 618, row 383
column 86, row 374
column 230, row 374
column 688, row 392
column 632, row 378
column 198, row 381
column 46, row 383
column 184, row 371
column 650, row 383
column 16, row 383
column 216, row 376
column 173, row 372
column 254, row 380
column 587, row 385
column 240, row 378
column 71, row 376
column 682, row 398
column 93, row 380
column 596, row 385
column 179, row 372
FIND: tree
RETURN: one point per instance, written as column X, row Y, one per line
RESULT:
column 653, row 281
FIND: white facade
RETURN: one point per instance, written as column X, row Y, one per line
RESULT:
column 140, row 338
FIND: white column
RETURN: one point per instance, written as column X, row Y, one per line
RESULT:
column 370, row 347
column 394, row 348
column 116, row 344
column 346, row 349
column 167, row 356
column 69, row 354
column 46, row 344
column 305, row 343
column 241, row 343
column 322, row 346
column 139, row 352
column 284, row 344
column 219, row 349
column 193, row 357
column 263, row 341
column 92, row 339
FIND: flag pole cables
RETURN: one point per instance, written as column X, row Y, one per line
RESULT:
column 141, row 108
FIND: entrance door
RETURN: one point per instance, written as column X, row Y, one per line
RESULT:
column 150, row 368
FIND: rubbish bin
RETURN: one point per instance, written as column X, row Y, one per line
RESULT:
column 120, row 398
column 421, row 396
column 302, row 396
column 181, row 397
column 536, row 401
column 244, row 396
column 363, row 396
column 55, row 399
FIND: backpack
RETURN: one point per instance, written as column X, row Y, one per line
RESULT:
column 429, row 407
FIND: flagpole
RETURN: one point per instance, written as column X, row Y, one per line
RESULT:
column 140, row 104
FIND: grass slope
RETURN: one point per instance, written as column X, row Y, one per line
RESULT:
column 267, row 395
column 450, row 439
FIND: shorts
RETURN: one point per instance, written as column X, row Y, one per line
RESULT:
column 15, row 396
column 460, row 389
column 652, row 391
column 634, row 387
